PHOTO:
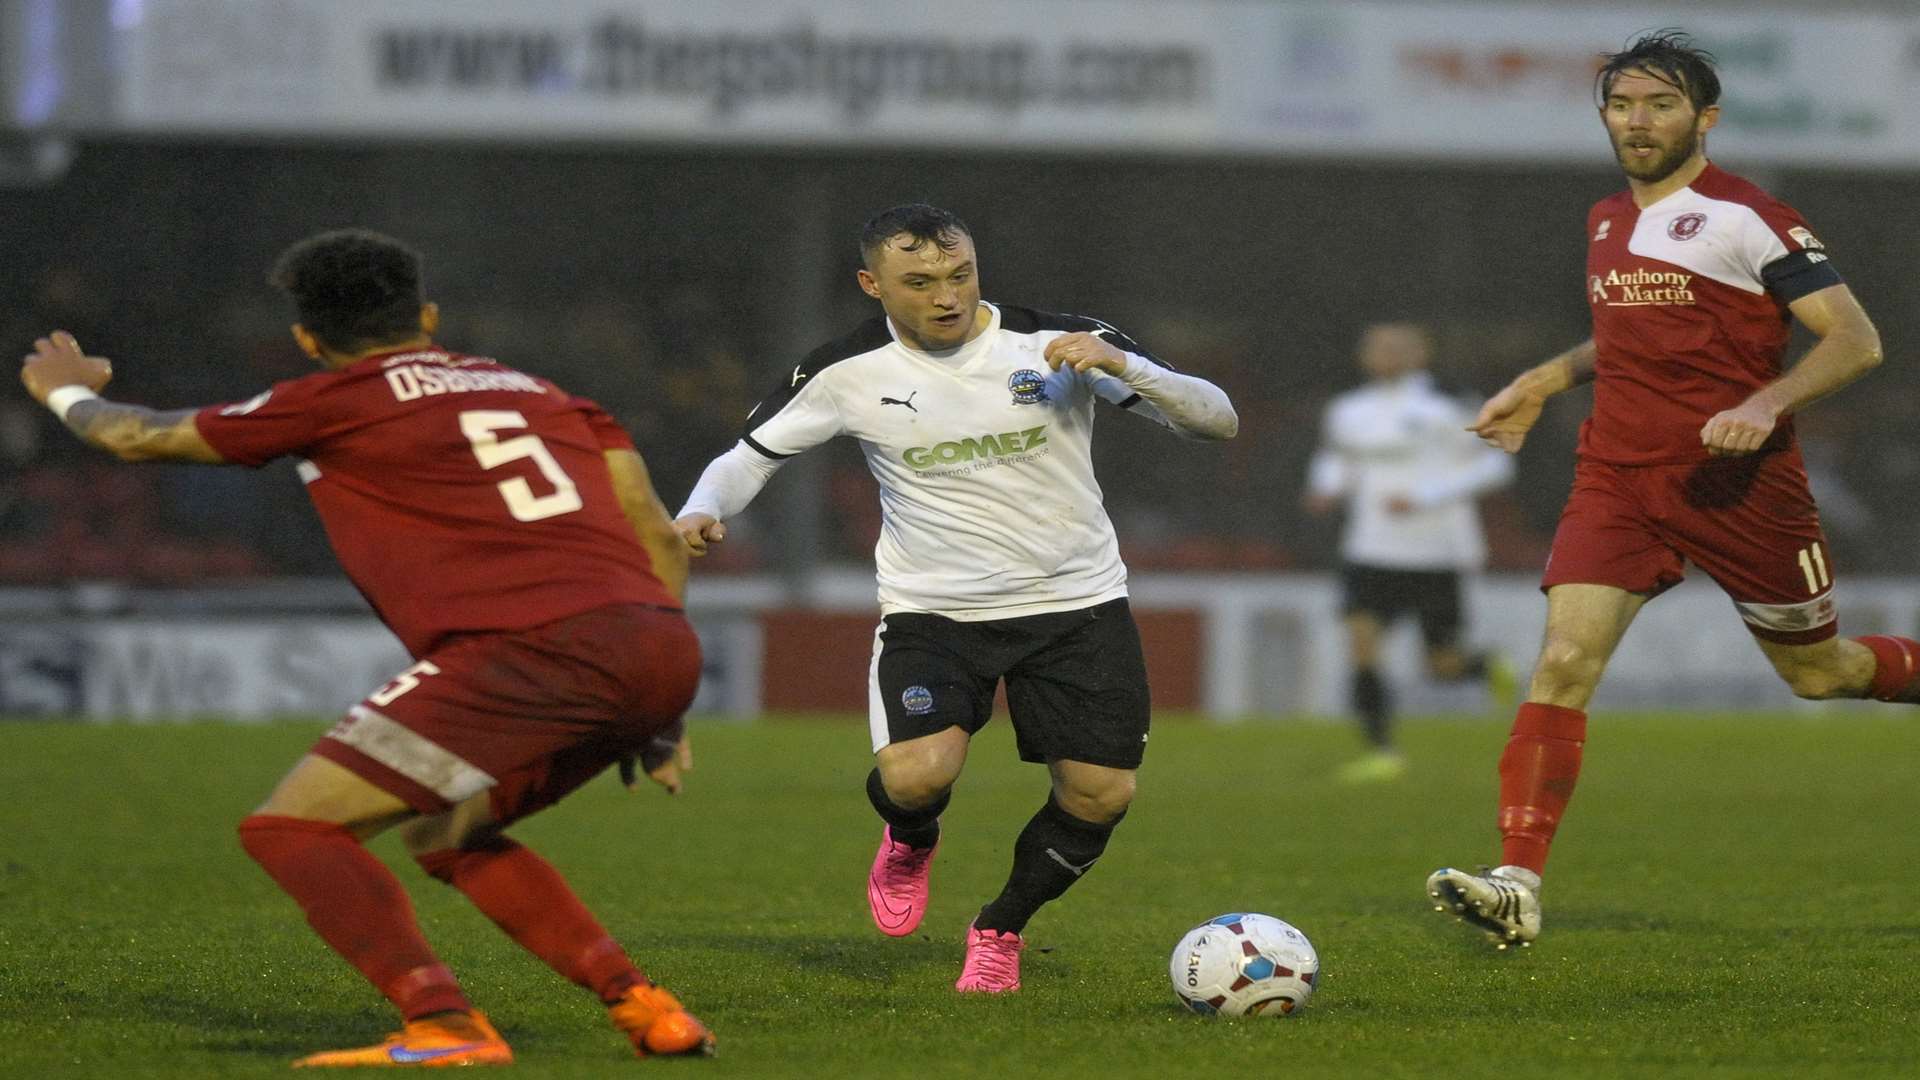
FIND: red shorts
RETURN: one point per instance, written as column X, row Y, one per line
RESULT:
column 529, row 715
column 1749, row 522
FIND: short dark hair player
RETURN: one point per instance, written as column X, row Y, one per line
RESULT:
column 507, row 532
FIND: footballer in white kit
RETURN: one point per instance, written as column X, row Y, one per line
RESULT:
column 1396, row 455
column 996, row 559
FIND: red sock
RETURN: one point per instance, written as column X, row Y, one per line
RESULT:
column 525, row 896
column 1896, row 673
column 1537, row 772
column 357, row 906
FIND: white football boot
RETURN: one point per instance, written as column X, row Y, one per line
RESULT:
column 1503, row 902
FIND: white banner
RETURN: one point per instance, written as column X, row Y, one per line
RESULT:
column 1461, row 81
column 251, row 669
column 1270, row 645
column 1516, row 82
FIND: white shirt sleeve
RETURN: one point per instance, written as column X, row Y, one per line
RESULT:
column 1187, row 404
column 795, row 418
column 1488, row 469
column 730, row 482
column 1328, row 471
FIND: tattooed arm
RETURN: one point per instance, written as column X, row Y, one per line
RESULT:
column 63, row 378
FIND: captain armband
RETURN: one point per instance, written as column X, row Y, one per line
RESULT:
column 1799, row 274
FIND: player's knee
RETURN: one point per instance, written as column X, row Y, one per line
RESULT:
column 914, row 784
column 446, row 833
column 1567, row 665
column 1102, row 800
column 920, row 773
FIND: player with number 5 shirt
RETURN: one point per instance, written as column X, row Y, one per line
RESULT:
column 509, row 535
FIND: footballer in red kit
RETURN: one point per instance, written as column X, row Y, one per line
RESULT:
column 1695, row 278
column 458, row 494
column 1691, row 300
column 509, row 534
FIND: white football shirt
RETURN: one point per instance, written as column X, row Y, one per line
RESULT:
column 989, row 506
column 1404, row 437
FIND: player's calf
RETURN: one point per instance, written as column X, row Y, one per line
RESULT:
column 1832, row 667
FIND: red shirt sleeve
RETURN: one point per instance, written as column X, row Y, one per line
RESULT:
column 1792, row 261
column 284, row 420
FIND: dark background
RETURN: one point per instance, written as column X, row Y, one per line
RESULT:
column 675, row 287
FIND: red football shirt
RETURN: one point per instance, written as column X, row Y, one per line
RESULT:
column 1690, row 316
column 459, row 494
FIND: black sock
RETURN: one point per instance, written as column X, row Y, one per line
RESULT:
column 1053, row 851
column 1374, row 702
column 914, row 828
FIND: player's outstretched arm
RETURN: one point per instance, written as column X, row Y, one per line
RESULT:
column 1848, row 348
column 726, row 487
column 648, row 516
column 1329, row 474
column 1508, row 415
column 66, row 380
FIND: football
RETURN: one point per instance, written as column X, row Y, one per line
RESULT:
column 1244, row 964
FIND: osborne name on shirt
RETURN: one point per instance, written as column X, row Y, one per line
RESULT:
column 412, row 381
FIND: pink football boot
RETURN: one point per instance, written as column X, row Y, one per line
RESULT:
column 897, row 885
column 993, row 962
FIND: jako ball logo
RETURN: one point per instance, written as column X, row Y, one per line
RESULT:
column 1687, row 226
column 917, row 699
column 1028, row 387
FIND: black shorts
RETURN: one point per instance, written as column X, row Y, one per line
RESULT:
column 1076, row 681
column 1432, row 596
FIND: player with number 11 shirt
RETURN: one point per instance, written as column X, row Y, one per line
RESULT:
column 1694, row 277
column 508, row 533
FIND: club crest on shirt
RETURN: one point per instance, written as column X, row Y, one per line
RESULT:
column 1687, row 226
column 1029, row 387
column 917, row 700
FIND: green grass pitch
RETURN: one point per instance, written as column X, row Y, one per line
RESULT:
column 1731, row 896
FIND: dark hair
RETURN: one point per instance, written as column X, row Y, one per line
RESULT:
column 1668, row 55
column 354, row 288
column 926, row 224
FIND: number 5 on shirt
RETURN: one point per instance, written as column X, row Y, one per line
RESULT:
column 402, row 683
column 480, row 425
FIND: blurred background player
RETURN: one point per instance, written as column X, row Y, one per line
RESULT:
column 1395, row 454
column 996, row 560
column 1694, row 277
column 509, row 535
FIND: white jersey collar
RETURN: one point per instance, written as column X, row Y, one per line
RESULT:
column 954, row 360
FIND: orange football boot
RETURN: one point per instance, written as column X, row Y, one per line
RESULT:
column 658, row 1024
column 430, row 1042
